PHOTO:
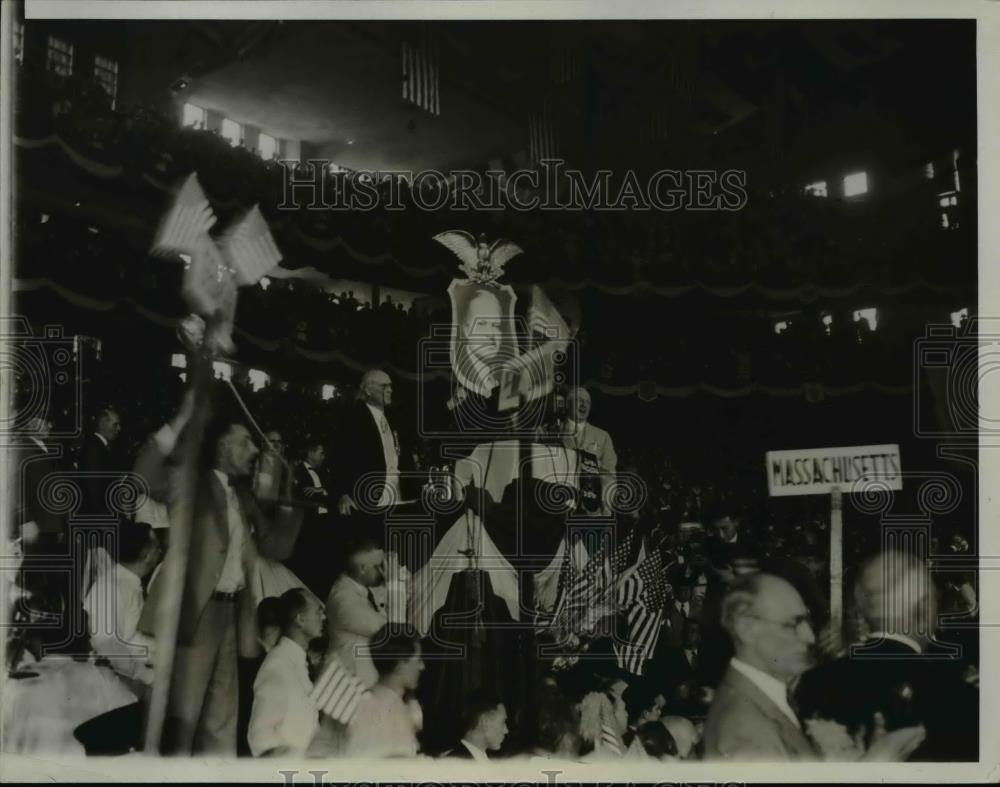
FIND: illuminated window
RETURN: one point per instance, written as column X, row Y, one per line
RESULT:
column 954, row 169
column 194, row 116
column 60, row 57
column 106, row 75
column 817, row 189
column 828, row 323
column 267, row 147
column 258, row 379
column 18, row 41
column 944, row 220
column 947, row 198
column 870, row 316
column 223, row 371
column 856, row 184
column 781, row 327
column 232, row 131
column 929, row 170
column 179, row 361
column 264, row 282
column 328, row 391
column 957, row 317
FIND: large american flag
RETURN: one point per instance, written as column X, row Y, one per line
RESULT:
column 251, row 248
column 641, row 597
column 187, row 222
column 421, row 72
column 588, row 596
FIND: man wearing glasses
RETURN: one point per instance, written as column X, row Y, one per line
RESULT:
column 751, row 717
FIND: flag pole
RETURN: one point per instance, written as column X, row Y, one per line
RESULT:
column 836, row 560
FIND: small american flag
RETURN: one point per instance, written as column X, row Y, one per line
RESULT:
column 337, row 692
column 187, row 222
column 591, row 595
column 641, row 596
column 251, row 250
column 610, row 740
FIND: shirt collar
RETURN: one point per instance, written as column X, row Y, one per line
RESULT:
column 773, row 689
column 475, row 751
column 294, row 649
column 101, row 437
column 876, row 635
column 39, row 443
column 223, row 478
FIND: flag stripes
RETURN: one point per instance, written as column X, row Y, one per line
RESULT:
column 421, row 73
column 251, row 248
column 542, row 139
column 337, row 693
column 642, row 595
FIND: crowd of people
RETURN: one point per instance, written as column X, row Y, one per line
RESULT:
column 294, row 639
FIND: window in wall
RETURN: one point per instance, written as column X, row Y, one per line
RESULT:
column 856, row 184
column 957, row 317
column 267, row 147
column 817, row 189
column 194, row 116
column 929, row 170
column 18, row 41
column 827, row 323
column 106, row 75
column 60, row 57
column 954, row 169
column 327, row 392
column 232, row 131
column 870, row 316
column 781, row 327
column 258, row 378
column 223, row 371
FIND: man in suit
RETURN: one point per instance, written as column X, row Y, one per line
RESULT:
column 42, row 529
column 367, row 475
column 596, row 447
column 751, row 717
column 284, row 718
column 900, row 670
column 97, row 460
column 310, row 560
column 355, row 608
column 217, row 618
column 484, row 726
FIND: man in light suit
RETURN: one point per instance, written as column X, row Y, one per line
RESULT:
column 355, row 609
column 217, row 618
column 751, row 717
column 596, row 446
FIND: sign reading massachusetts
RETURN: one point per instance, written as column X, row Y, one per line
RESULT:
column 814, row 471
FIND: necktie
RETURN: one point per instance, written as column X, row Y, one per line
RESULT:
column 372, row 601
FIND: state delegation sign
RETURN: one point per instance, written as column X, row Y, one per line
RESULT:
column 815, row 471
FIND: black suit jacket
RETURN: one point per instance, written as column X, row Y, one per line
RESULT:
column 95, row 458
column 459, row 752
column 907, row 688
column 303, row 480
column 360, row 453
column 33, row 466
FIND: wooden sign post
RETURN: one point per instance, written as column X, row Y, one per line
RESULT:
column 834, row 471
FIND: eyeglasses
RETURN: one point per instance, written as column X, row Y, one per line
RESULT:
column 794, row 625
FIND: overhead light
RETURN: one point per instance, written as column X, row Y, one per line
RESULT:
column 264, row 282
column 350, row 142
column 856, row 184
column 957, row 317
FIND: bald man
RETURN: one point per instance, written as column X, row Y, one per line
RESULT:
column 899, row 670
column 751, row 717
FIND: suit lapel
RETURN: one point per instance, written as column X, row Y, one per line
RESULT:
column 220, row 506
column 793, row 737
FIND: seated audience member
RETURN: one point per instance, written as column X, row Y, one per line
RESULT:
column 654, row 741
column 643, row 704
column 316, row 653
column 555, row 733
column 387, row 720
column 114, row 605
column 683, row 733
column 353, row 612
column 485, row 727
column 284, row 718
column 603, row 722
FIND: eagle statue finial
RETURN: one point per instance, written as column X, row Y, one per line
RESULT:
column 481, row 262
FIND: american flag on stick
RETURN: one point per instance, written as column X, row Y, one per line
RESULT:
column 590, row 596
column 188, row 220
column 641, row 597
column 251, row 250
column 421, row 73
column 337, row 693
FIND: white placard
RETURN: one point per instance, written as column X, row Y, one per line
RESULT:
column 815, row 471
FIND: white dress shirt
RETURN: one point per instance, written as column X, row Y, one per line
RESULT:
column 114, row 606
column 477, row 754
column 902, row 638
column 283, row 715
column 101, row 437
column 384, row 726
column 231, row 579
column 390, row 450
column 773, row 689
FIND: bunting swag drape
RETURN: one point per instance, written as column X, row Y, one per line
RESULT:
column 643, row 388
column 318, row 239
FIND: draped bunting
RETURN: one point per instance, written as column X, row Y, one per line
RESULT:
column 283, row 229
column 642, row 388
